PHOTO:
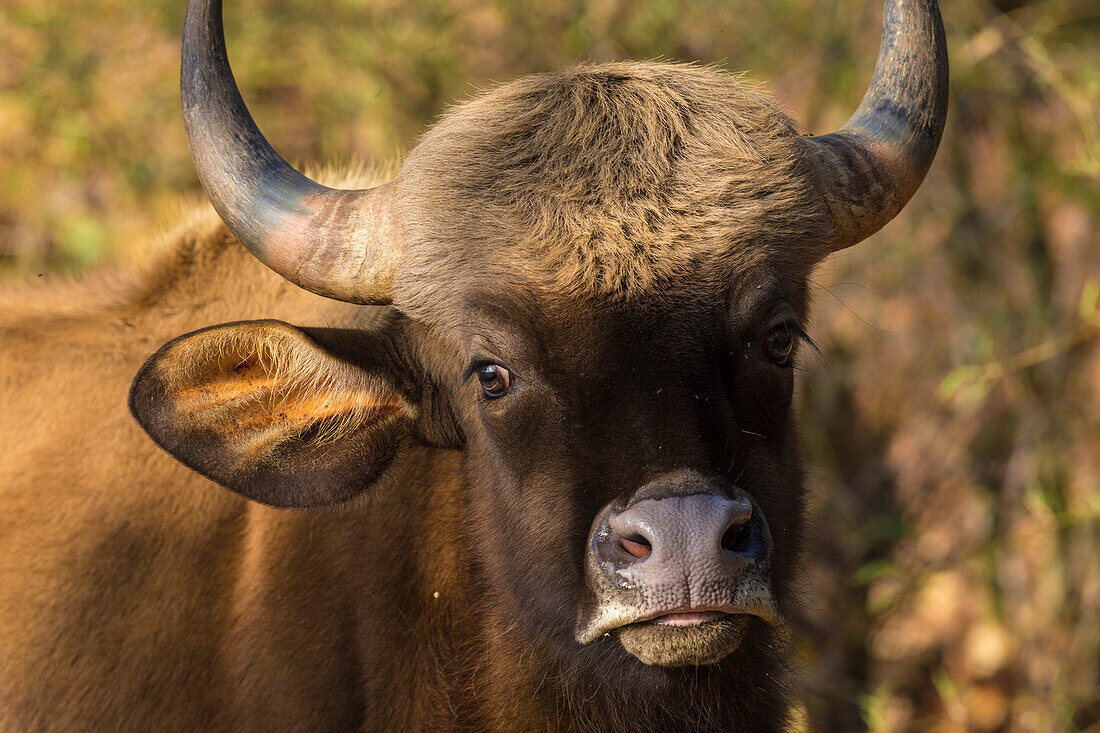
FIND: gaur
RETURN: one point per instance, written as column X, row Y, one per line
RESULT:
column 508, row 438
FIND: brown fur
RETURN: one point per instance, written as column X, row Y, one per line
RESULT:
column 138, row 595
column 610, row 182
column 285, row 387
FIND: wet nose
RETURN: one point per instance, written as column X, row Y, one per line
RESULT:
column 721, row 534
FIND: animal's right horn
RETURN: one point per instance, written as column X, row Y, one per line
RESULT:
column 336, row 243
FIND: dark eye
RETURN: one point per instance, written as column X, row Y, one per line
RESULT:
column 779, row 346
column 495, row 379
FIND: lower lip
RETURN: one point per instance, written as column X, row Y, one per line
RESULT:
column 688, row 619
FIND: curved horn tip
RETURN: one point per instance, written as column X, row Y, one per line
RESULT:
column 874, row 164
column 335, row 243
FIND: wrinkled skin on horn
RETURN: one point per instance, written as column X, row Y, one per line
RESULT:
column 348, row 245
column 873, row 165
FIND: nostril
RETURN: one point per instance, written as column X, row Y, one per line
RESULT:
column 636, row 545
column 739, row 538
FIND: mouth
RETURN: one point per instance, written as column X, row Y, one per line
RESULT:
column 684, row 638
column 686, row 618
column 680, row 637
column 615, row 618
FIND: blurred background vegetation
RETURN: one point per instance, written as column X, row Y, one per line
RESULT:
column 952, row 420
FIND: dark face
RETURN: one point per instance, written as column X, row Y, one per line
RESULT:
column 632, row 468
column 631, row 475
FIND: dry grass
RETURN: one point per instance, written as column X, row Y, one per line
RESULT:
column 951, row 420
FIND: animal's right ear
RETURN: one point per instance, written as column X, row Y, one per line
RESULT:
column 266, row 411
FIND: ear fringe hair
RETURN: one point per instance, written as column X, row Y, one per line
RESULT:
column 331, row 397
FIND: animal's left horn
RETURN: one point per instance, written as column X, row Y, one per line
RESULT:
column 873, row 165
column 340, row 244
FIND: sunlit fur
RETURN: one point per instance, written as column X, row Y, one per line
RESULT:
column 132, row 586
column 618, row 181
column 272, row 385
column 650, row 185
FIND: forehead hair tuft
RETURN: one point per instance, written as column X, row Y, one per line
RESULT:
column 614, row 180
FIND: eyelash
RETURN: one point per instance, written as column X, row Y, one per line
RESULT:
column 473, row 368
column 795, row 329
column 800, row 335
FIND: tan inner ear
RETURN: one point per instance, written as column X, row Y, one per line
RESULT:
column 260, row 386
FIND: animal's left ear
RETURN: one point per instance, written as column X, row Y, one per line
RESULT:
column 263, row 409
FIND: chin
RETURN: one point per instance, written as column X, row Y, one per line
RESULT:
column 665, row 642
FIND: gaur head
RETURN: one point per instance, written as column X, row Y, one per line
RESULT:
column 596, row 284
